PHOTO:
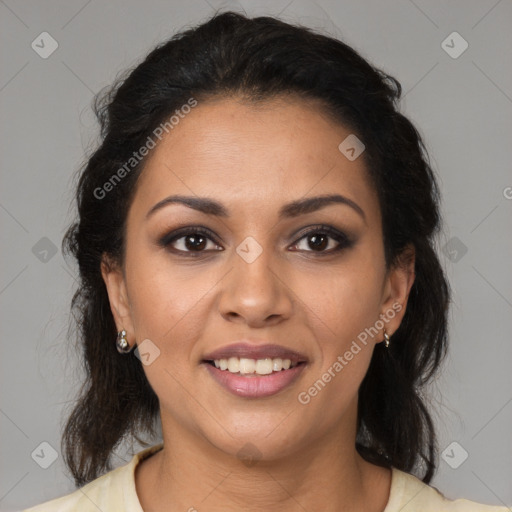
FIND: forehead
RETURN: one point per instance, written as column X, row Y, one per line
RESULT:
column 254, row 157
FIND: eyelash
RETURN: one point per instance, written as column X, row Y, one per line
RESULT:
column 343, row 240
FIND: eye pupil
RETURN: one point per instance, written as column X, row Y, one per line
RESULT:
column 195, row 244
column 319, row 241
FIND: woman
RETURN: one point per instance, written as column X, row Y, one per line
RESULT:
column 259, row 222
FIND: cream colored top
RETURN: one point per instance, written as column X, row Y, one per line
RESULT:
column 115, row 492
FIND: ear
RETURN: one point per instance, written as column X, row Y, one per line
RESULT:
column 397, row 287
column 114, row 280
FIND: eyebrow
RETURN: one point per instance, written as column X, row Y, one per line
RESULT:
column 290, row 210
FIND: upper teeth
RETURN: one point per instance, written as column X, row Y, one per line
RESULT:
column 259, row 366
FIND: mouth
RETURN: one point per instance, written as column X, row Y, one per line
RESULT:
column 250, row 370
column 254, row 385
column 253, row 367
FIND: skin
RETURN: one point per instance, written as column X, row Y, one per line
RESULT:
column 254, row 159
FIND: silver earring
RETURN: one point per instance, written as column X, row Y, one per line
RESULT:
column 123, row 347
column 386, row 339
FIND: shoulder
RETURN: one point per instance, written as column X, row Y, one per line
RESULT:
column 93, row 496
column 409, row 494
column 113, row 491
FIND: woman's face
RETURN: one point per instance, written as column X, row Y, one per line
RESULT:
column 256, row 275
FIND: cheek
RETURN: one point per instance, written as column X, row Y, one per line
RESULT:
column 168, row 307
column 340, row 306
column 343, row 301
column 164, row 297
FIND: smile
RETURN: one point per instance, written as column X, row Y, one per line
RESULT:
column 254, row 378
column 246, row 366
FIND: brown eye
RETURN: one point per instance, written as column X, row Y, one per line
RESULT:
column 318, row 241
column 194, row 241
column 189, row 240
column 323, row 240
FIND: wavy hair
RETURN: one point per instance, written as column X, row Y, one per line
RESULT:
column 259, row 59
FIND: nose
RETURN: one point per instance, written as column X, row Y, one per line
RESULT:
column 256, row 294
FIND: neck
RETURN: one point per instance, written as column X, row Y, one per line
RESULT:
column 328, row 474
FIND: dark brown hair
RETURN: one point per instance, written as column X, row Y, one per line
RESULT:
column 259, row 58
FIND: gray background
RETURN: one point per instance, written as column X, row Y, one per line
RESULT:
column 462, row 106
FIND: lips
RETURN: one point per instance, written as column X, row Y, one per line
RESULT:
column 250, row 350
column 255, row 386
